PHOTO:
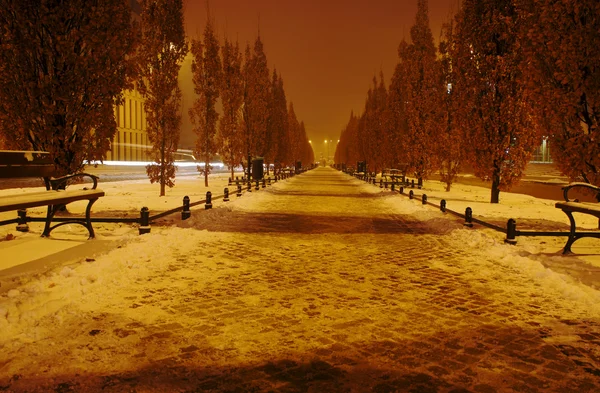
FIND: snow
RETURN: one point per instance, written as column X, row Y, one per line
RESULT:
column 533, row 271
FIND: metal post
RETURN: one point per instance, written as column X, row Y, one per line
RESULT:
column 144, row 221
column 468, row 217
column 264, row 182
column 208, row 204
column 412, row 183
column 443, row 206
column 186, row 213
column 411, row 194
column 424, row 199
column 380, row 183
column 249, row 187
column 511, row 232
column 239, row 190
column 226, row 194
column 22, row 220
column 257, row 186
column 393, row 187
column 401, row 190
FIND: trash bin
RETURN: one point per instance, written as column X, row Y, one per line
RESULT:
column 361, row 166
column 257, row 168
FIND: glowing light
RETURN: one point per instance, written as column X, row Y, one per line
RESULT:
column 144, row 163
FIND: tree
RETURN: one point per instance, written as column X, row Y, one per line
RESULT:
column 347, row 150
column 450, row 150
column 374, row 130
column 276, row 122
column 230, row 137
column 206, row 75
column 256, row 99
column 398, row 122
column 62, row 71
column 563, row 77
column 494, row 111
column 293, row 132
column 421, row 86
column 162, row 50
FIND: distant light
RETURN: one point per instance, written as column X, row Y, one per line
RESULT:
column 144, row 163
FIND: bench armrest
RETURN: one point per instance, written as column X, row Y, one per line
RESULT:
column 61, row 182
column 579, row 184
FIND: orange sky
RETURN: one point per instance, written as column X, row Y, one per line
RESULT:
column 327, row 51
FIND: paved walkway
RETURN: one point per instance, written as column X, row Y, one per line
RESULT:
column 304, row 300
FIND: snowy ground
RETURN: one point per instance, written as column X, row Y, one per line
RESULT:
column 318, row 281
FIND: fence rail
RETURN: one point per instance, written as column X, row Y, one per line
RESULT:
column 145, row 219
column 510, row 230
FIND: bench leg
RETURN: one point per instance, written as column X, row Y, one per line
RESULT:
column 52, row 209
column 572, row 235
column 88, row 220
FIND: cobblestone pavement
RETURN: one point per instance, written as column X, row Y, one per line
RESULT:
column 366, row 308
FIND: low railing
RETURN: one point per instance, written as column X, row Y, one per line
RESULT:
column 510, row 230
column 145, row 218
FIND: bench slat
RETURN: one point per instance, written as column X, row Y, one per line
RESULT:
column 45, row 198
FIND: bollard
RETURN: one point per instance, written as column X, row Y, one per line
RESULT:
column 511, row 232
column 257, row 186
column 239, row 190
column 144, row 221
column 208, row 204
column 226, row 195
column 424, row 199
column 264, row 183
column 229, row 181
column 412, row 185
column 269, row 181
column 22, row 225
column 443, row 206
column 380, row 183
column 401, row 190
column 411, row 194
column 393, row 187
column 249, row 187
column 468, row 217
column 186, row 213
column 385, row 185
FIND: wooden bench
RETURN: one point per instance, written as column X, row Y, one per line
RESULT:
column 574, row 206
column 31, row 164
column 393, row 176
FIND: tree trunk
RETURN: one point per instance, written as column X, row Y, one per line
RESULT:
column 162, row 169
column 206, row 169
column 495, row 186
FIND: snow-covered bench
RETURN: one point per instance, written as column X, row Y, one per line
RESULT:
column 574, row 206
column 31, row 164
column 394, row 176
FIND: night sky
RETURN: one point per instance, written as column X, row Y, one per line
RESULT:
column 327, row 51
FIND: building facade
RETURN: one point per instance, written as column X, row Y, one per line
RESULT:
column 131, row 141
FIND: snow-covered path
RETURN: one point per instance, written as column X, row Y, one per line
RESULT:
column 320, row 283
